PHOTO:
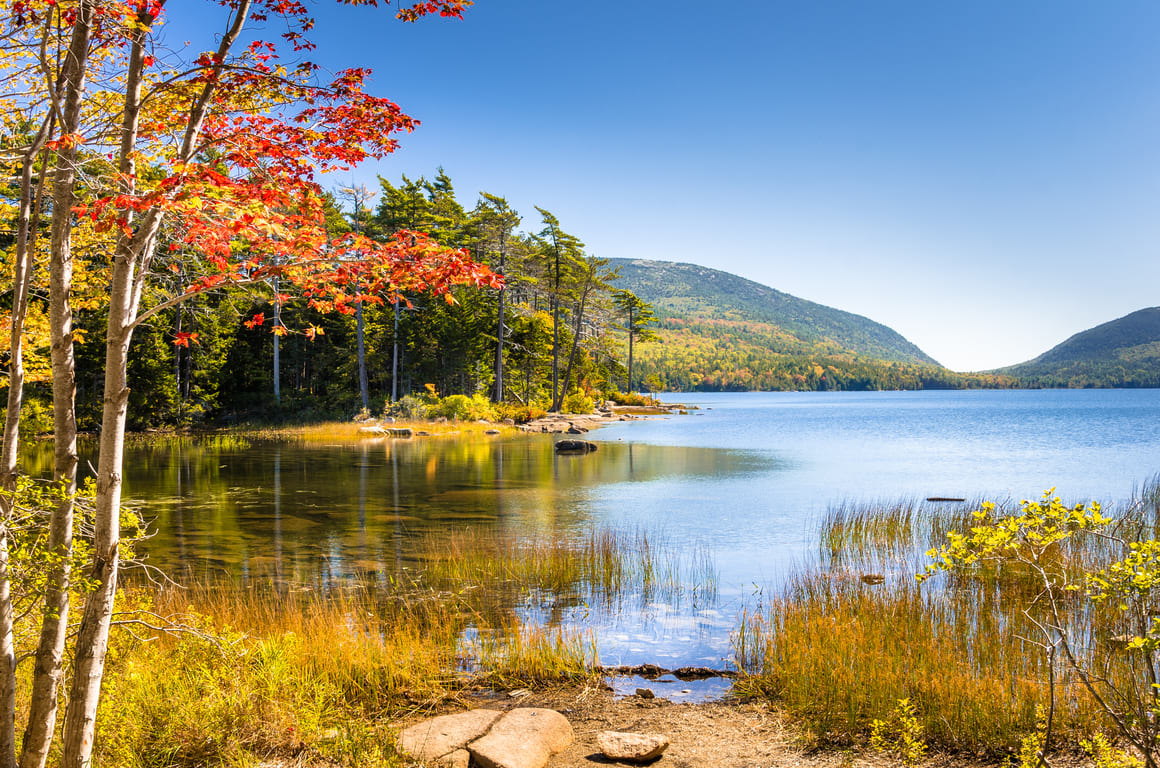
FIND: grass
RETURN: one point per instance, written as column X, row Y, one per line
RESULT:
column 839, row 652
column 257, row 673
column 603, row 567
column 348, row 431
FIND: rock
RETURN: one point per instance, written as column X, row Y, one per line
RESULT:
column 389, row 420
column 873, row 578
column 575, row 430
column 682, row 412
column 510, row 422
column 422, row 434
column 491, row 431
column 575, row 446
column 401, row 431
column 645, row 693
column 523, row 738
column 436, row 741
column 631, row 747
column 373, row 429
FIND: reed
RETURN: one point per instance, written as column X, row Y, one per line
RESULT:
column 840, row 652
column 603, row 567
column 264, row 671
column 520, row 656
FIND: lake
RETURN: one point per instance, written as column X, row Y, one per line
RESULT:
column 743, row 478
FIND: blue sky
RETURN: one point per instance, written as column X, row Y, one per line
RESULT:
column 982, row 176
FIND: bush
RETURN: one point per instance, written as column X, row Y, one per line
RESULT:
column 520, row 414
column 463, row 408
column 578, row 402
column 629, row 398
column 407, row 407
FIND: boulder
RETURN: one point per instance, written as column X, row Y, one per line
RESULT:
column 440, row 740
column 491, row 432
column 575, row 430
column 401, row 431
column 523, row 738
column 373, row 429
column 575, row 446
column 631, row 747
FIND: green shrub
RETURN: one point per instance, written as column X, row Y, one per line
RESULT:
column 407, row 407
column 578, row 402
column 463, row 408
column 630, row 398
column 520, row 414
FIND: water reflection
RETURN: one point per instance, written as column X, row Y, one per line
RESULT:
column 319, row 514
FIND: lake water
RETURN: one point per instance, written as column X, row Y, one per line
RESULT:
column 745, row 477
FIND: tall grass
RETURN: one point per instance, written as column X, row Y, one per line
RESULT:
column 840, row 652
column 603, row 567
column 259, row 672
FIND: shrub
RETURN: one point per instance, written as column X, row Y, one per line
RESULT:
column 463, row 408
column 520, row 414
column 578, row 402
column 629, row 398
column 407, row 407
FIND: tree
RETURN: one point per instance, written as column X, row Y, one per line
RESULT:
column 358, row 197
column 638, row 316
column 1068, row 595
column 563, row 252
column 496, row 221
column 591, row 278
column 215, row 159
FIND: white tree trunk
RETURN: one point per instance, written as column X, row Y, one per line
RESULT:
column 130, row 273
column 27, row 222
column 54, row 629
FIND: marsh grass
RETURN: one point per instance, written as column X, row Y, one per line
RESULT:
column 534, row 656
column 347, row 431
column 261, row 671
column 839, row 652
column 602, row 568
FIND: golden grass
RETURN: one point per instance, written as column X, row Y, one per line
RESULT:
column 840, row 652
column 348, row 431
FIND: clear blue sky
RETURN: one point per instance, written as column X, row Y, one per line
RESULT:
column 982, row 176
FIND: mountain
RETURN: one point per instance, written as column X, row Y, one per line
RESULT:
column 719, row 331
column 693, row 291
column 1122, row 353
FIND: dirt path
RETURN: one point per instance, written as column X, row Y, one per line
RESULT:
column 723, row 734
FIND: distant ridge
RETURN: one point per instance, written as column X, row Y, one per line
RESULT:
column 696, row 292
column 1124, row 352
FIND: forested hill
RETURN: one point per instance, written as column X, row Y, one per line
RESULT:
column 718, row 331
column 1121, row 353
column 693, row 292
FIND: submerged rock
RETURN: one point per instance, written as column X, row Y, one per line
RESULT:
column 575, row 446
column 631, row 747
